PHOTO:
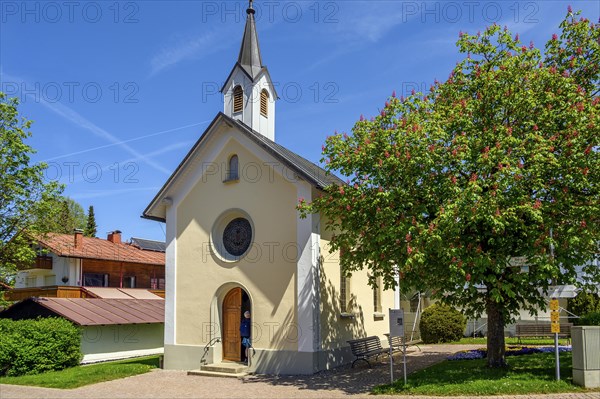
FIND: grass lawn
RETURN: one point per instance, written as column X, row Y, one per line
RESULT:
column 527, row 374
column 84, row 375
column 514, row 341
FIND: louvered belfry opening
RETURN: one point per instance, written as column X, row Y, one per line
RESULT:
column 238, row 99
column 264, row 103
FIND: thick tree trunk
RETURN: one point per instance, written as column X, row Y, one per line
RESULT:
column 495, row 336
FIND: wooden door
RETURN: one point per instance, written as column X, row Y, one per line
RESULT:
column 232, row 314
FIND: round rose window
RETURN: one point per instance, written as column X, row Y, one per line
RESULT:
column 237, row 236
column 232, row 235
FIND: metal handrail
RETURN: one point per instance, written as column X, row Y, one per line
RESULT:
column 210, row 343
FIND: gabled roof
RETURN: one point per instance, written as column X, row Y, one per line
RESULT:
column 90, row 311
column 97, row 248
column 304, row 168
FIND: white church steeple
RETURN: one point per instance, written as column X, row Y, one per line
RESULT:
column 249, row 93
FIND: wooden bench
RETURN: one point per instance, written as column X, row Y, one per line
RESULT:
column 364, row 348
column 541, row 330
column 397, row 345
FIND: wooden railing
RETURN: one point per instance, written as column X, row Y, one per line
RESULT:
column 18, row 294
column 41, row 262
column 160, row 293
column 56, row 291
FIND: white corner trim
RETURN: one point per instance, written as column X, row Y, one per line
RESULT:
column 307, row 275
column 171, row 276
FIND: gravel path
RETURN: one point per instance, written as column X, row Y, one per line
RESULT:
column 339, row 383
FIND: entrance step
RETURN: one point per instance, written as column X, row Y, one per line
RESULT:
column 231, row 370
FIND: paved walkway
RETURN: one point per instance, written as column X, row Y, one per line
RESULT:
column 339, row 383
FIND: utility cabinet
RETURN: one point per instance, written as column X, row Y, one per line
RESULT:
column 586, row 355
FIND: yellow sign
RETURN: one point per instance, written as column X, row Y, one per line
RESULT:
column 554, row 317
column 554, row 304
column 555, row 327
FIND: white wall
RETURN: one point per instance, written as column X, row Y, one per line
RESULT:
column 99, row 343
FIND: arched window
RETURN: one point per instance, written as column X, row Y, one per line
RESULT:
column 232, row 172
column 264, row 103
column 238, row 99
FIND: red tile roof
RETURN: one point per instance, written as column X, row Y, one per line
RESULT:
column 97, row 311
column 97, row 248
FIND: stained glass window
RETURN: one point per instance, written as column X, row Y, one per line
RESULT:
column 237, row 236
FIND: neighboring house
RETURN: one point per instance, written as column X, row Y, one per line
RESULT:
column 111, row 328
column 72, row 260
column 235, row 242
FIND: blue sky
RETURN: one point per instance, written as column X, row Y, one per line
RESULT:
column 120, row 91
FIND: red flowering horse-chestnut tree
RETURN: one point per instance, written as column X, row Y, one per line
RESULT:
column 499, row 161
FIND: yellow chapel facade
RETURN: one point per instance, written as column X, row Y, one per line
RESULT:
column 236, row 243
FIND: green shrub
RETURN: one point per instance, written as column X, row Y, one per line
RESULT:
column 590, row 319
column 583, row 303
column 36, row 346
column 441, row 323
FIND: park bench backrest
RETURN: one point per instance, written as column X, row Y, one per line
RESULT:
column 365, row 345
column 541, row 329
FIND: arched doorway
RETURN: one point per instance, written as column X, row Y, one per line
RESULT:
column 235, row 303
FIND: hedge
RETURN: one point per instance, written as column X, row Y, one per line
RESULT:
column 585, row 302
column 589, row 319
column 37, row 346
column 442, row 323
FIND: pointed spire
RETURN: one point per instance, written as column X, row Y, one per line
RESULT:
column 249, row 57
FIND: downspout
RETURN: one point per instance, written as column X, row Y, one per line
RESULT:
column 121, row 277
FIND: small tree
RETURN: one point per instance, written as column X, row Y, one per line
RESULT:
column 90, row 227
column 70, row 217
column 585, row 302
column 499, row 161
column 26, row 199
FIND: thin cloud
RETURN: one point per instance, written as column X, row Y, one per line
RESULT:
column 161, row 151
column 77, row 119
column 127, row 141
column 184, row 49
column 80, row 121
column 371, row 22
column 110, row 193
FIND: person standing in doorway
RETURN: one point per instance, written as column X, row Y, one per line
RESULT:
column 245, row 334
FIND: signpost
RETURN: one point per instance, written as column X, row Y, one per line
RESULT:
column 555, row 328
column 397, row 330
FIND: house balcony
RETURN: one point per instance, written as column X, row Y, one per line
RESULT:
column 41, row 262
column 54, row 291
column 58, row 291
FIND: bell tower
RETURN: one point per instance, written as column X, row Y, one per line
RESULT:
column 248, row 93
